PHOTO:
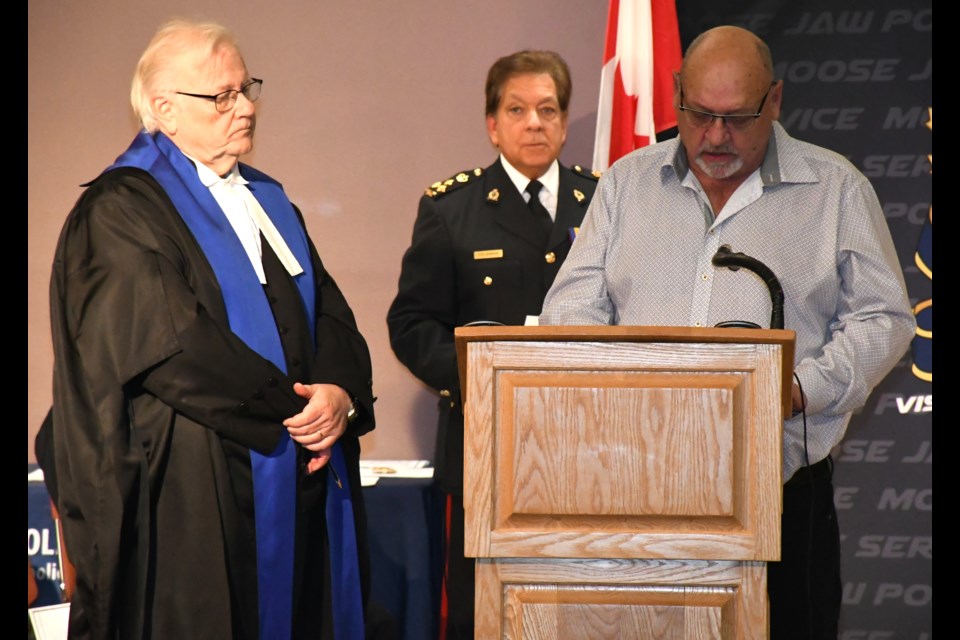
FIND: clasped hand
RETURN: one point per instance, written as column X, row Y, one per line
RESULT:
column 321, row 422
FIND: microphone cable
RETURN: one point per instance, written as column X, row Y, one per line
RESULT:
column 813, row 498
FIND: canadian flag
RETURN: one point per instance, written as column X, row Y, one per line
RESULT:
column 641, row 52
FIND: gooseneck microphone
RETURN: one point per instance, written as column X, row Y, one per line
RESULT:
column 725, row 257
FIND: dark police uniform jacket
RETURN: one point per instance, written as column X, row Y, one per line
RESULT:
column 477, row 254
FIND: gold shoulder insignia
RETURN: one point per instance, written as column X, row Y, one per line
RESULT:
column 587, row 173
column 452, row 183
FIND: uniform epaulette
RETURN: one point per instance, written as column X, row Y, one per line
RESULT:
column 453, row 183
column 587, row 173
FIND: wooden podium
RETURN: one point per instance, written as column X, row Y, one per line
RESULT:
column 623, row 482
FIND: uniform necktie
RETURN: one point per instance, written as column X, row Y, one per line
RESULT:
column 540, row 211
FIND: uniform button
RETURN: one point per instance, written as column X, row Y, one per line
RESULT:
column 273, row 299
column 550, row 257
column 243, row 407
column 272, row 382
column 284, row 331
column 488, row 281
column 445, row 393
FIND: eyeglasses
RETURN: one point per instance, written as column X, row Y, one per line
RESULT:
column 736, row 121
column 225, row 100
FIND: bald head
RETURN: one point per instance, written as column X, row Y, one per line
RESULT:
column 726, row 71
column 739, row 54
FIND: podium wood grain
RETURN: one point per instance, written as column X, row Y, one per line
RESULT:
column 624, row 480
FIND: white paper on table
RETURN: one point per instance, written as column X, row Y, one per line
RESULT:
column 52, row 622
column 397, row 468
column 368, row 479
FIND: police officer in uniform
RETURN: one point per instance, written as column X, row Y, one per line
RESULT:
column 486, row 246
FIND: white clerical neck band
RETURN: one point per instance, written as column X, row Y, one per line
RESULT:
column 244, row 206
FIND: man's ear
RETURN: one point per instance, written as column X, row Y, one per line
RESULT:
column 165, row 112
column 492, row 131
column 776, row 98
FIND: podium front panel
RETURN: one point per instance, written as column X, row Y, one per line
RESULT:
column 623, row 450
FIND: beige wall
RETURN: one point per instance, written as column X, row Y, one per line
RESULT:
column 365, row 103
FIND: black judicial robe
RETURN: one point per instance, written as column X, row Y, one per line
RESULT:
column 155, row 409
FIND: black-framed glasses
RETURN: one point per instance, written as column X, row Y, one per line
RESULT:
column 225, row 100
column 736, row 121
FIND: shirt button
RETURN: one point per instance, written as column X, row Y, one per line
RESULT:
column 550, row 257
column 488, row 281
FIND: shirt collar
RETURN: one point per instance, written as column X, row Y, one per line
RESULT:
column 209, row 177
column 769, row 168
column 550, row 180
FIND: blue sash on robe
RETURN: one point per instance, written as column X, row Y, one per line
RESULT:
column 251, row 319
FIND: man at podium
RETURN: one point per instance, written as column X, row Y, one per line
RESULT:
column 735, row 182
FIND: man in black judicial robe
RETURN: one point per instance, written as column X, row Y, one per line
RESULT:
column 165, row 410
column 480, row 253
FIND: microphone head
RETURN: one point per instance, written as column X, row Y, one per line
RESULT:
column 720, row 258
